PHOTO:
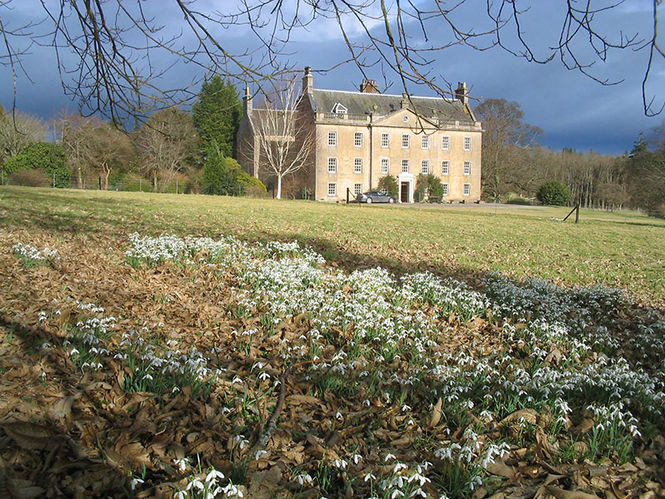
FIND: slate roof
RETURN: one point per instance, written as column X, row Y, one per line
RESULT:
column 359, row 103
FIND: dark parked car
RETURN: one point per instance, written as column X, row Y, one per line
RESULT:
column 375, row 197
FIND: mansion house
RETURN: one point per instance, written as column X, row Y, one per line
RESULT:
column 359, row 137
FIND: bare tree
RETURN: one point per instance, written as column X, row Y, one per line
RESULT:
column 105, row 148
column 18, row 132
column 116, row 43
column 167, row 144
column 504, row 135
column 74, row 129
column 282, row 134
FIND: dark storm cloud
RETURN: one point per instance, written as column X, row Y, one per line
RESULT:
column 572, row 110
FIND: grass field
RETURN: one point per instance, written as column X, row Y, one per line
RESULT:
column 624, row 250
column 194, row 346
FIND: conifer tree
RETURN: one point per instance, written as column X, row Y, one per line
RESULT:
column 217, row 116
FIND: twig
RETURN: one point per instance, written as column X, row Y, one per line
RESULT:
column 270, row 427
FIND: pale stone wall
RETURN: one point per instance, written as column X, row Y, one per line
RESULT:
column 395, row 125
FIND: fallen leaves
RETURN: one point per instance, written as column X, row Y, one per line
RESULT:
column 87, row 434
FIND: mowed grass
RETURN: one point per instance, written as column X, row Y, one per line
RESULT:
column 625, row 250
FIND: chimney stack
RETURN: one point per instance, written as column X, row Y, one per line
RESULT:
column 308, row 81
column 247, row 102
column 462, row 93
column 405, row 100
column 369, row 87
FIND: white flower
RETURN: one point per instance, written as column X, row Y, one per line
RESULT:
column 134, row 482
column 181, row 463
column 213, row 475
column 303, row 478
column 196, row 483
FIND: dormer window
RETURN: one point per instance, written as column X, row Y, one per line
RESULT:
column 339, row 109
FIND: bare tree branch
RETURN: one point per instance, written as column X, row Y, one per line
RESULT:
column 124, row 51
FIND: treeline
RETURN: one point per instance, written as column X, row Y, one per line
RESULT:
column 515, row 166
column 173, row 151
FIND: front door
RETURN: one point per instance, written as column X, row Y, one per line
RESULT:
column 404, row 192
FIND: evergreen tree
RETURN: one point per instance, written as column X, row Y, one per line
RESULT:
column 554, row 193
column 217, row 116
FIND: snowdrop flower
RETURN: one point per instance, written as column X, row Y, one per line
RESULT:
column 181, row 463
column 213, row 475
column 134, row 482
column 340, row 463
column 231, row 490
column 303, row 478
column 196, row 483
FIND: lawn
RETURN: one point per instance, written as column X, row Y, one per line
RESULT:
column 194, row 346
column 624, row 250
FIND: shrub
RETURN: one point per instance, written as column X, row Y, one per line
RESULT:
column 135, row 183
column 520, row 201
column 428, row 186
column 389, row 184
column 218, row 178
column 251, row 185
column 29, row 177
column 45, row 156
column 222, row 175
column 553, row 193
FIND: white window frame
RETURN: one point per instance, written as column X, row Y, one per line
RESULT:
column 445, row 167
column 357, row 189
column 406, row 141
column 357, row 166
column 385, row 166
column 332, row 189
column 332, row 166
column 358, row 139
column 424, row 142
column 424, row 166
column 446, row 189
column 405, row 163
column 467, row 143
column 467, row 189
column 467, row 168
column 385, row 140
column 445, row 143
column 332, row 139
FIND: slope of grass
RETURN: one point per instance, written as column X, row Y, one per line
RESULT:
column 624, row 250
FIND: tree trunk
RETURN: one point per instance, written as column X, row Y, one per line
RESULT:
column 279, row 187
column 107, row 172
column 79, row 174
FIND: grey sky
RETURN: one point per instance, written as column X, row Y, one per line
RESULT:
column 573, row 110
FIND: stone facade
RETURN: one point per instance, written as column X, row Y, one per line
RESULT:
column 363, row 136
